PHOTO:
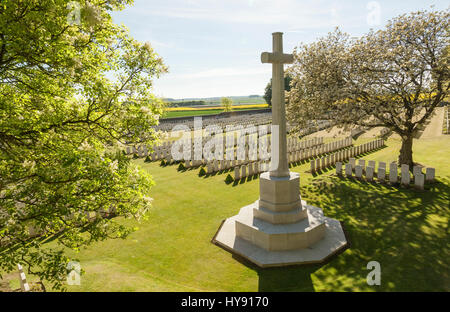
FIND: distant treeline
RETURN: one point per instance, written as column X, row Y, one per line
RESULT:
column 186, row 103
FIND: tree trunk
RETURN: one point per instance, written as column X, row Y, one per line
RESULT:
column 405, row 157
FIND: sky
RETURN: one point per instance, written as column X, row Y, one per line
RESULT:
column 213, row 47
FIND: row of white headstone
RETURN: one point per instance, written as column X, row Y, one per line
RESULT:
column 360, row 169
column 339, row 156
column 298, row 155
column 316, row 151
column 164, row 150
column 251, row 169
column 244, row 120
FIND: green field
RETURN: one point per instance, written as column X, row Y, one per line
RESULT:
column 237, row 100
column 199, row 112
column 406, row 231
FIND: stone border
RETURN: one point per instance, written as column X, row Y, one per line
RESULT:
column 326, row 260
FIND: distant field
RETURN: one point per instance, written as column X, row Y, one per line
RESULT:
column 184, row 113
column 237, row 100
column 190, row 111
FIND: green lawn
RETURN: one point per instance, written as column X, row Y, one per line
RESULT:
column 405, row 230
column 199, row 112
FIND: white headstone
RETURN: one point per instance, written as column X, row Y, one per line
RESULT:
column 429, row 174
column 419, row 180
column 369, row 173
column 358, row 171
column 393, row 173
column 381, row 174
column 405, row 176
column 339, row 168
column 348, row 170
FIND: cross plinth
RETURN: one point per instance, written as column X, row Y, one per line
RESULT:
column 279, row 142
column 280, row 228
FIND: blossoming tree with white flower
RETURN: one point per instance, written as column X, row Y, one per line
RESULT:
column 62, row 118
column 394, row 77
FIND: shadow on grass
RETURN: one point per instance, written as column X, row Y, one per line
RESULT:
column 404, row 230
column 293, row 278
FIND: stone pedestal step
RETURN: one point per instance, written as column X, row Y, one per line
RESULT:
column 268, row 236
column 333, row 241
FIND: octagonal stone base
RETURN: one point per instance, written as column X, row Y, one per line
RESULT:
column 279, row 193
column 255, row 240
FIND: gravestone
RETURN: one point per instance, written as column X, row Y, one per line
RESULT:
column 419, row 180
column 352, row 162
column 237, row 176
column 362, row 163
column 393, row 173
column 416, row 170
column 358, row 171
column 209, row 167
column 348, row 170
column 244, row 171
column 369, row 173
column 280, row 229
column 250, row 170
column 339, row 168
column 429, row 174
column 381, row 174
column 405, row 176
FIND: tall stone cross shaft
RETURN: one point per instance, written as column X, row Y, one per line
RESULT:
column 279, row 151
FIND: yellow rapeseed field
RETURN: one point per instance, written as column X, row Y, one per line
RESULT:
column 216, row 107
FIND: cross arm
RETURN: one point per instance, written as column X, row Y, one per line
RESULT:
column 276, row 57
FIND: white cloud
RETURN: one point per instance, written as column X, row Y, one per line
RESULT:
column 299, row 14
column 223, row 72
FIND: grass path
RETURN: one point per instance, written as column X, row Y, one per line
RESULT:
column 434, row 127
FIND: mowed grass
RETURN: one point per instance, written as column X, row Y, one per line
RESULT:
column 202, row 112
column 406, row 231
column 186, row 113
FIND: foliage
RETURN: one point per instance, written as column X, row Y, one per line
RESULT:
column 394, row 77
column 186, row 103
column 202, row 172
column 268, row 89
column 71, row 92
column 226, row 104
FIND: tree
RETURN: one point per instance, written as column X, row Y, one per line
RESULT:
column 268, row 90
column 63, row 116
column 394, row 77
column 226, row 104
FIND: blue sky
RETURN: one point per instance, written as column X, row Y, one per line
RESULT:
column 213, row 47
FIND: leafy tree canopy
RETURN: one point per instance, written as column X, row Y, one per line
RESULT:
column 226, row 104
column 268, row 91
column 73, row 88
column 394, row 77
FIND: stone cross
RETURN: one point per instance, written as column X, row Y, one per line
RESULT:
column 277, row 58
